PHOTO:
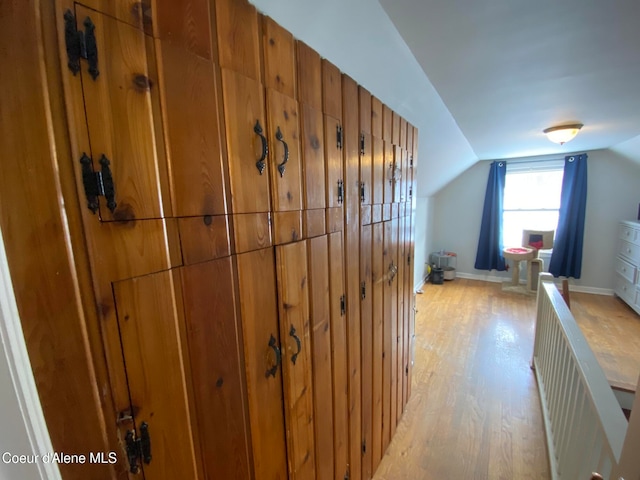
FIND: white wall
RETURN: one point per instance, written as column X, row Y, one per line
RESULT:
column 613, row 194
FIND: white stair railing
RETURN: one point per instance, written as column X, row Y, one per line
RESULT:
column 584, row 423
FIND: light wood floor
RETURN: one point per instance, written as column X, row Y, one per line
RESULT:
column 475, row 411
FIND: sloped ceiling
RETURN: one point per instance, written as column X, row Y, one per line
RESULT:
column 481, row 80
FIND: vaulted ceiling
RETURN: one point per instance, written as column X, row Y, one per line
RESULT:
column 482, row 79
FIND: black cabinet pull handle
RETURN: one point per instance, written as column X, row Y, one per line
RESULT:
column 285, row 157
column 260, row 164
column 273, row 370
column 292, row 333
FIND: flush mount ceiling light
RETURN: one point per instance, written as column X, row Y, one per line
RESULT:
column 563, row 133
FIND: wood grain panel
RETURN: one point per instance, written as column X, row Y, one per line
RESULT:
column 409, row 137
column 388, row 172
column 408, row 310
column 377, row 170
column 365, row 214
column 286, row 187
column 387, row 120
column 214, row 339
column 397, row 173
column 395, row 129
column 238, row 38
column 259, row 313
column 279, row 58
column 287, row 227
column 135, row 13
column 333, row 164
column 204, row 238
column 331, row 90
column 376, row 213
column 293, row 308
column 377, row 295
column 366, row 172
column 309, row 76
column 191, row 106
column 319, row 309
column 251, row 231
column 366, row 318
column 364, row 98
column 185, row 24
column 386, row 212
column 376, row 117
column 403, row 133
column 313, row 223
column 339, row 350
column 120, row 118
column 335, row 220
column 387, row 309
column 147, row 320
column 352, row 250
column 393, row 247
column 244, row 111
column 400, row 338
column 313, row 158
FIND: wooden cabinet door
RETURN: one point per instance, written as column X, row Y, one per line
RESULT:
column 313, row 158
column 365, row 110
column 320, row 313
column 262, row 357
column 148, row 313
column 352, row 274
column 395, row 129
column 377, row 166
column 408, row 308
column 331, row 90
column 119, row 107
column 192, row 106
column 293, row 307
column 389, row 165
column 396, row 174
column 376, row 117
column 378, row 278
column 333, row 148
column 366, row 322
column 387, row 120
column 393, row 319
column 309, row 76
column 214, row 338
column 366, row 177
column 400, row 281
column 284, row 142
column 237, row 37
column 279, row 58
column 247, row 143
column 388, row 331
column 339, row 354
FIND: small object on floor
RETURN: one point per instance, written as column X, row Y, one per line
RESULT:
column 419, row 292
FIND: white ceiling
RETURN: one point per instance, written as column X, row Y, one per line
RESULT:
column 508, row 69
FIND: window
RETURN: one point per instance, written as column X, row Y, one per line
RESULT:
column 531, row 199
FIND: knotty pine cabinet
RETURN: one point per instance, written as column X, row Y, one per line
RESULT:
column 246, row 226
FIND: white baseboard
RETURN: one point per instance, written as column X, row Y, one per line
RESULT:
column 489, row 277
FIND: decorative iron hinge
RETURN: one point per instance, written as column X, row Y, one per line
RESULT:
column 363, row 290
column 410, row 192
column 409, row 259
column 362, row 192
column 80, row 44
column 98, row 184
column 340, row 191
column 411, row 161
column 362, row 143
column 138, row 448
column 406, row 370
column 339, row 136
column 364, row 447
column 347, row 474
column 343, row 305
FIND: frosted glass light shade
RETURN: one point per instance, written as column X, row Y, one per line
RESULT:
column 563, row 133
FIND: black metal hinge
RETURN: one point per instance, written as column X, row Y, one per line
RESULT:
column 406, row 370
column 410, row 191
column 138, row 448
column 347, row 474
column 343, row 305
column 411, row 161
column 364, row 447
column 339, row 136
column 362, row 143
column 362, row 187
column 340, row 191
column 80, row 44
column 363, row 290
column 98, row 184
column 409, row 259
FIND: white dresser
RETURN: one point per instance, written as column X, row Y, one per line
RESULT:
column 627, row 285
